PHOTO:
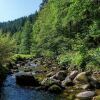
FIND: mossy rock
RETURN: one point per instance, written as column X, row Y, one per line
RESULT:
column 55, row 89
column 49, row 82
column 96, row 98
column 82, row 77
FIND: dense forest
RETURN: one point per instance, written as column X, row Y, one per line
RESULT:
column 67, row 31
column 56, row 49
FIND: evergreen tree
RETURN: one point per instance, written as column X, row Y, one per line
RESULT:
column 25, row 45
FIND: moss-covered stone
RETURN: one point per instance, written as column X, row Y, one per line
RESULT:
column 96, row 98
column 49, row 82
column 82, row 77
column 55, row 89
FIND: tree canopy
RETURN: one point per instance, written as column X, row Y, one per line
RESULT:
column 68, row 31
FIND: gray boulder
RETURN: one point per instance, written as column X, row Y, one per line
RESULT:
column 73, row 74
column 67, row 82
column 61, row 75
column 85, row 95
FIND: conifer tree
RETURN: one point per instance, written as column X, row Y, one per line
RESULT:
column 26, row 38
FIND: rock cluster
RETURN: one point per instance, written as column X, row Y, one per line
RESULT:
column 57, row 82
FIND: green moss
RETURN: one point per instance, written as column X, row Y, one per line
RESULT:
column 22, row 56
column 40, row 77
column 96, row 98
column 55, row 89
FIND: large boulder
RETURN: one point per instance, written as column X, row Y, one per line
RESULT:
column 85, row 95
column 26, row 79
column 61, row 75
column 67, row 82
column 73, row 74
column 83, row 77
column 47, row 82
column 55, row 89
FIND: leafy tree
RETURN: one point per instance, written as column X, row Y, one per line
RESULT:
column 67, row 26
column 7, row 47
column 66, row 30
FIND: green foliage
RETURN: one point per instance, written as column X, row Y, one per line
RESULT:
column 68, row 31
column 71, row 58
column 64, row 59
column 7, row 47
column 94, row 62
column 21, row 56
column 18, row 38
column 17, row 24
column 26, row 42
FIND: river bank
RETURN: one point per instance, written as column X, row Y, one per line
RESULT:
column 53, row 80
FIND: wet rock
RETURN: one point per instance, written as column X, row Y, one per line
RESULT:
column 61, row 75
column 55, row 89
column 26, row 79
column 73, row 74
column 85, row 95
column 67, row 82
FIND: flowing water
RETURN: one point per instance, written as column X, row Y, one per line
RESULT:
column 11, row 91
